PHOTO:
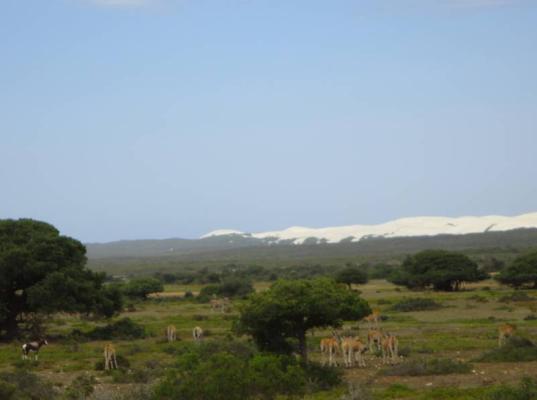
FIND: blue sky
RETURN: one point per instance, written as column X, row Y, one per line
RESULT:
column 123, row 119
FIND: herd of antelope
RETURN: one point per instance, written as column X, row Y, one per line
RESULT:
column 353, row 348
column 350, row 347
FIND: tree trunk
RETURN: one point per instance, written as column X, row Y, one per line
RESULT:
column 11, row 327
column 302, row 346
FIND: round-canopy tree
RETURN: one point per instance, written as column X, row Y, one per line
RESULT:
column 43, row 272
column 439, row 269
column 523, row 271
column 352, row 274
column 283, row 314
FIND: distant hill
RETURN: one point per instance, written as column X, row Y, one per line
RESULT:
column 401, row 236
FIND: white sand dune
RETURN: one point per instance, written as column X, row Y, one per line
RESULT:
column 417, row 226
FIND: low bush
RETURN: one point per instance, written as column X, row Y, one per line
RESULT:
column 80, row 388
column 526, row 390
column 479, row 299
column 125, row 329
column 515, row 349
column 231, row 287
column 21, row 385
column 433, row 366
column 530, row 317
column 515, row 296
column 416, row 304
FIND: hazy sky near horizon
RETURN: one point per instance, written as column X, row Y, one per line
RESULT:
column 124, row 119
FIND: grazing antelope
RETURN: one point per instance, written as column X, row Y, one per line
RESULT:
column 32, row 347
column 374, row 339
column 373, row 319
column 110, row 361
column 390, row 349
column 353, row 350
column 197, row 333
column 171, row 333
column 505, row 331
column 222, row 305
column 329, row 348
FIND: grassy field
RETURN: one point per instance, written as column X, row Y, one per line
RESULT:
column 462, row 329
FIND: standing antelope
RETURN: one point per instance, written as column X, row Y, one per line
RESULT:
column 110, row 361
column 374, row 339
column 390, row 349
column 197, row 333
column 329, row 348
column 171, row 333
column 32, row 347
column 373, row 319
column 505, row 331
column 353, row 350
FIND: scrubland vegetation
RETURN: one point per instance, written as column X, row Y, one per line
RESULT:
column 266, row 344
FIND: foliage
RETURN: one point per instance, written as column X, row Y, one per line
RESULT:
column 352, row 274
column 433, row 366
column 515, row 296
column 124, row 329
column 225, row 376
column 526, row 390
column 523, row 271
column 515, row 349
column 81, row 388
column 381, row 271
column 231, row 288
column 23, row 385
column 140, row 288
column 416, row 304
column 284, row 313
column 44, row 272
column 439, row 269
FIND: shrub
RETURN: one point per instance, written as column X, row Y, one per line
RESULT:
column 140, row 288
column 530, row 317
column 125, row 329
column 515, row 296
column 434, row 366
column 23, row 385
column 526, row 390
column 231, row 287
column 479, row 299
column 322, row 377
column 228, row 377
column 188, row 294
column 80, row 388
column 416, row 304
column 515, row 349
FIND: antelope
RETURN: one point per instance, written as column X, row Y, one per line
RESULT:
column 110, row 361
column 390, row 349
column 329, row 347
column 197, row 334
column 373, row 319
column 222, row 305
column 353, row 350
column 171, row 333
column 505, row 331
column 374, row 339
column 32, row 347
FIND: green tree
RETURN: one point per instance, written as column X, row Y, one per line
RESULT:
column 279, row 318
column 439, row 269
column 142, row 287
column 352, row 274
column 523, row 271
column 44, row 272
